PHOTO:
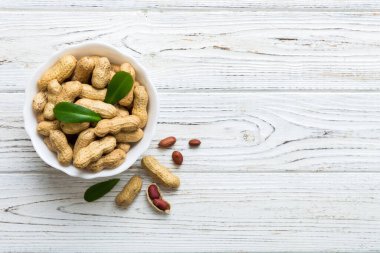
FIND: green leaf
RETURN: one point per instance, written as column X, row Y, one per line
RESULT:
column 120, row 85
column 100, row 189
column 72, row 113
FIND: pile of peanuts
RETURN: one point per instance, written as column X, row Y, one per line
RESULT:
column 160, row 174
column 89, row 146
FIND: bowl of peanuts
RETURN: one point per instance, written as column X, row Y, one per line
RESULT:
column 81, row 77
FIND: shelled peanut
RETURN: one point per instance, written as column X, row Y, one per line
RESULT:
column 84, row 81
column 154, row 197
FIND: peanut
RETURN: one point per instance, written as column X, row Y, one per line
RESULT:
column 153, row 192
column 162, row 205
column 94, row 151
column 84, row 139
column 167, row 142
column 101, row 74
column 95, row 59
column 67, row 92
column 109, row 161
column 115, row 68
column 61, row 70
column 114, row 125
column 49, row 111
column 121, row 111
column 194, row 143
column 130, row 137
column 177, row 157
column 112, row 73
column 105, row 110
column 123, row 146
column 61, row 146
column 48, row 144
column 129, row 192
column 83, row 70
column 39, row 101
column 53, row 89
column 139, row 105
column 74, row 128
column 40, row 117
column 128, row 99
column 160, row 172
column 90, row 92
column 44, row 127
column 127, row 67
column 70, row 91
column 154, row 197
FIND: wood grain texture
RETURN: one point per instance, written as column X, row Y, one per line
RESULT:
column 208, row 51
column 224, row 212
column 243, row 132
column 241, row 5
column 283, row 94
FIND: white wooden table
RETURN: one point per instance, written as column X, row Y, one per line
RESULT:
column 285, row 96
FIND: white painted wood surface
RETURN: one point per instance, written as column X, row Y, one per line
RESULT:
column 284, row 95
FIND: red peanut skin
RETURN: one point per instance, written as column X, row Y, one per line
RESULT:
column 161, row 204
column 167, row 142
column 194, row 143
column 153, row 192
column 177, row 157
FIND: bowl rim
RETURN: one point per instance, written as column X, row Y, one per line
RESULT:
column 152, row 116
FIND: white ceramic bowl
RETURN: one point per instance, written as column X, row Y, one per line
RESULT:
column 117, row 57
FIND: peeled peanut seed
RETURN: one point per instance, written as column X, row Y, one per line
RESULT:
column 167, row 142
column 153, row 191
column 177, row 157
column 194, row 142
column 129, row 192
column 161, row 204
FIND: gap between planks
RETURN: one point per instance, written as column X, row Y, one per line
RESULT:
column 193, row 9
column 238, row 91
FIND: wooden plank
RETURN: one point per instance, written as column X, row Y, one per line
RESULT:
column 120, row 5
column 208, row 51
column 229, row 212
column 242, row 132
